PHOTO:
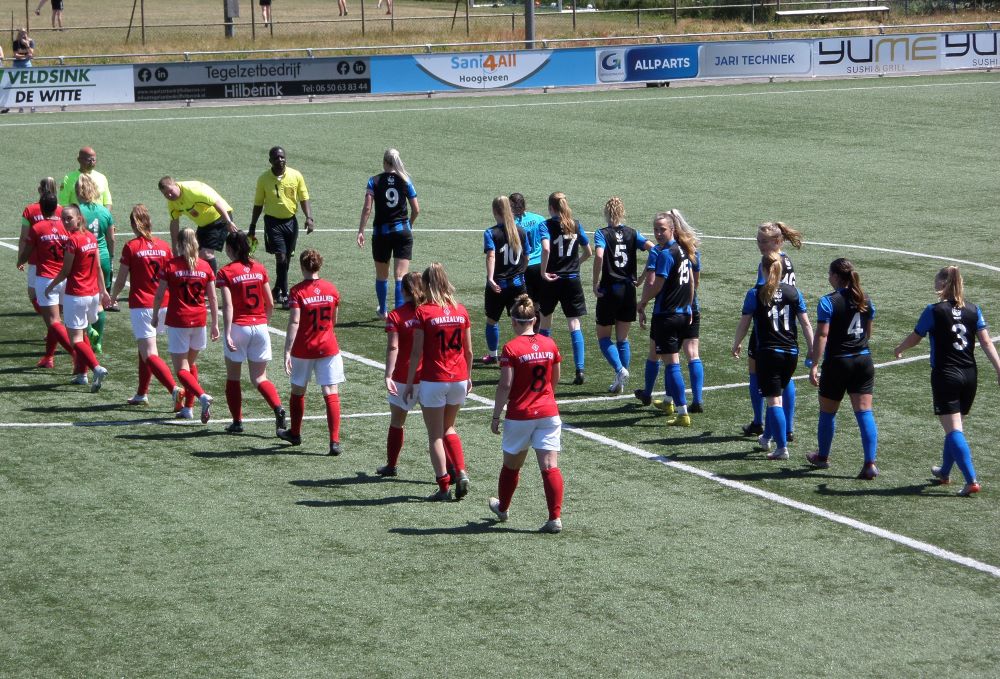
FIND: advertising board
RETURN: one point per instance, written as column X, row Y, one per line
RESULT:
column 750, row 59
column 877, row 55
column 65, row 86
column 647, row 63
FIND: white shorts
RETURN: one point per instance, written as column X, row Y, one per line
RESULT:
column 182, row 340
column 32, row 269
column 328, row 370
column 252, row 342
column 545, row 433
column 397, row 398
column 79, row 312
column 48, row 300
column 142, row 323
column 440, row 394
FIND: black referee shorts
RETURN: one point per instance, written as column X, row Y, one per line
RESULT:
column 212, row 236
column 666, row 332
column 847, row 375
column 281, row 235
column 567, row 293
column 954, row 390
column 395, row 244
column 774, row 372
column 617, row 303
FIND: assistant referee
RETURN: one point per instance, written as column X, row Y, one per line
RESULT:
column 279, row 193
column 211, row 214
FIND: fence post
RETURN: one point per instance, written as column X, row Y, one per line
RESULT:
column 753, row 12
column 512, row 21
column 362, row 3
column 142, row 19
column 637, row 17
column 529, row 24
column 574, row 16
column 253, row 24
column 675, row 12
column 466, row 17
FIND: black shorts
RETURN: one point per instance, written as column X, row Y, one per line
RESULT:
column 265, row 3
column 395, row 244
column 954, row 390
column 280, row 235
column 847, row 374
column 750, row 345
column 666, row 332
column 212, row 236
column 498, row 302
column 534, row 283
column 694, row 328
column 774, row 372
column 57, row 5
column 616, row 305
column 567, row 293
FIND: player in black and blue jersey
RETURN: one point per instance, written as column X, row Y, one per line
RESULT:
column 673, row 290
column 389, row 194
column 564, row 247
column 843, row 328
column 951, row 325
column 615, row 265
column 533, row 225
column 505, row 245
column 773, row 308
column 771, row 236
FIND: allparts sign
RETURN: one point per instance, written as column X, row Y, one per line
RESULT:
column 66, row 86
column 485, row 70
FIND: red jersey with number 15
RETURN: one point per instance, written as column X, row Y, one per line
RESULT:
column 444, row 333
column 246, row 289
column 31, row 215
column 82, row 279
column 532, row 358
column 403, row 321
column 48, row 239
column 146, row 261
column 316, row 300
column 187, row 289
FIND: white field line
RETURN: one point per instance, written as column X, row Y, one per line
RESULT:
column 657, row 100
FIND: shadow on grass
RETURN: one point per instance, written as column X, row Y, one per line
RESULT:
column 376, row 502
column 704, row 437
column 914, row 489
column 779, row 473
column 52, row 386
column 32, row 356
column 738, row 455
column 253, row 452
column 94, row 408
column 357, row 479
column 186, row 432
column 471, row 528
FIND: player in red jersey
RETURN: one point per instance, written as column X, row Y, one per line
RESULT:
column 399, row 326
column 246, row 311
column 45, row 243
column 85, row 295
column 190, row 282
column 311, row 348
column 32, row 214
column 529, row 366
column 442, row 350
column 142, row 261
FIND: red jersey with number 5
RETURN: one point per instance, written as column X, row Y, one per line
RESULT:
column 532, row 358
column 82, row 279
column 246, row 289
column 48, row 238
column 316, row 300
column 146, row 261
column 187, row 289
column 403, row 321
column 444, row 333
column 31, row 215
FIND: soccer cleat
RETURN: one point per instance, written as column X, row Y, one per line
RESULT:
column 98, row 349
column 440, row 496
column 868, row 472
column 79, row 379
column 488, row 359
column 790, row 437
column 235, row 427
column 334, row 449
column 753, row 429
column 551, row 526
column 578, row 380
column 679, row 421
column 620, row 382
column 279, row 418
column 817, row 460
column 779, row 454
column 287, row 435
column 387, row 470
column 283, row 301
column 100, row 374
column 624, row 376
column 206, row 407
column 494, row 505
column 178, row 395
column 185, row 414
column 138, row 400
column 763, row 443
column 665, row 406
column 696, row 408
column 93, row 335
column 937, row 473
column 46, row 362
column 970, row 488
column 462, row 485
column 381, row 313
column 643, row 397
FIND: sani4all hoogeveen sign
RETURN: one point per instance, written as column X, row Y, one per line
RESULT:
column 486, row 70
column 66, row 86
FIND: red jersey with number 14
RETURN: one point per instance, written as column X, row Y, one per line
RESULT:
column 48, row 239
column 146, row 261
column 82, row 279
column 316, row 300
column 532, row 358
column 31, row 215
column 187, row 289
column 444, row 333
column 403, row 321
column 246, row 289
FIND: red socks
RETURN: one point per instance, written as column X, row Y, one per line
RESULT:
column 58, row 331
column 553, row 481
column 234, row 399
column 453, row 451
column 507, row 486
column 333, row 416
column 444, row 482
column 394, row 445
column 270, row 394
column 158, row 368
column 298, row 406
column 145, row 377
column 50, row 344
column 86, row 355
column 192, row 390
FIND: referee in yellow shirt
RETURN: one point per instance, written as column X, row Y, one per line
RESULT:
column 279, row 193
column 211, row 214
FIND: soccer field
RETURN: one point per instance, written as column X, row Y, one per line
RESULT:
column 136, row 546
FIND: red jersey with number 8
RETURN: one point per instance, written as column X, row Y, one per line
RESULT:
column 48, row 238
column 444, row 333
column 187, row 289
column 532, row 358
column 146, row 261
column 316, row 300
column 246, row 289
column 82, row 279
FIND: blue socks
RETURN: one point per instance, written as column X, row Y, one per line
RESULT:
column 869, row 434
column 756, row 400
column 381, row 293
column 610, row 352
column 776, row 426
column 576, row 338
column 625, row 353
column 824, row 432
column 947, row 458
column 696, row 371
column 652, row 372
column 399, row 295
column 963, row 456
column 492, row 337
column 788, row 404
column 675, row 384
